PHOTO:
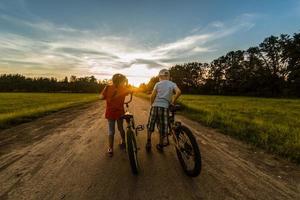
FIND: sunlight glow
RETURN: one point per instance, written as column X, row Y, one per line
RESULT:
column 136, row 74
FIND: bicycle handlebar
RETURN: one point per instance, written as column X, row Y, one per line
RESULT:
column 174, row 108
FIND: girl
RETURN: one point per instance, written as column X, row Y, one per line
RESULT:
column 115, row 96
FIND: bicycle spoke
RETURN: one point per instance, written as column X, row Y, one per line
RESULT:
column 186, row 150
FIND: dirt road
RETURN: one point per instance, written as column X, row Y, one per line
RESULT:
column 62, row 156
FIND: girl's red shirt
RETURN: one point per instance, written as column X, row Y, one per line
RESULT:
column 115, row 97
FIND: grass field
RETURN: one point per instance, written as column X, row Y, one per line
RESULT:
column 273, row 124
column 20, row 107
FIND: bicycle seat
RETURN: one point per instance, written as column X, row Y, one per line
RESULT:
column 127, row 116
column 174, row 108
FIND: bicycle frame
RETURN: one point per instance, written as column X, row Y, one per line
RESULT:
column 186, row 146
column 128, row 116
column 130, row 135
column 129, row 120
column 174, row 127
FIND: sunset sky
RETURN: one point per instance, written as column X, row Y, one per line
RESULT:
column 137, row 38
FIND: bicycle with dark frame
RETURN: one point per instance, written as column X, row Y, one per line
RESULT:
column 130, row 138
column 187, row 148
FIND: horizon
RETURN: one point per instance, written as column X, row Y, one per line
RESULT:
column 58, row 39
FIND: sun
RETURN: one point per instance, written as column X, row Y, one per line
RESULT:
column 136, row 81
column 138, row 74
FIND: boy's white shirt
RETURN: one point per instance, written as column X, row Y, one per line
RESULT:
column 164, row 93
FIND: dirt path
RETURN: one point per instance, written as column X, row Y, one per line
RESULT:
column 62, row 156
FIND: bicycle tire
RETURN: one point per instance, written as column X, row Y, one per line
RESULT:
column 197, row 158
column 132, row 151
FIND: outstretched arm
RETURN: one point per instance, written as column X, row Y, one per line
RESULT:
column 103, row 93
column 176, row 96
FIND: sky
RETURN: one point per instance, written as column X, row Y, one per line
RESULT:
column 58, row 38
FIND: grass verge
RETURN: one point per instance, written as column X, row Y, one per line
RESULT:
column 17, row 108
column 272, row 124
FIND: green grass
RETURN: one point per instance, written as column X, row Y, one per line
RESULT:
column 21, row 107
column 273, row 124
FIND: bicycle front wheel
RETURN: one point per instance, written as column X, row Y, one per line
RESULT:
column 188, row 152
column 132, row 151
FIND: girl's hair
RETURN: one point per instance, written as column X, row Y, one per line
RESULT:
column 117, row 79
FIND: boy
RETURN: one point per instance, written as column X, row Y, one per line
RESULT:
column 161, row 98
column 115, row 96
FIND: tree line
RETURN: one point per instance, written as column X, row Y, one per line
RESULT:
column 20, row 83
column 270, row 69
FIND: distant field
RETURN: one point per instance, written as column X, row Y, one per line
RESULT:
column 273, row 124
column 20, row 107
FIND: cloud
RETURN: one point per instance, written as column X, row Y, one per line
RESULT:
column 41, row 25
column 217, row 24
column 183, row 44
column 62, row 48
column 24, row 63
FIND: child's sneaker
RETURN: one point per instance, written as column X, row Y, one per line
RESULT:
column 110, row 152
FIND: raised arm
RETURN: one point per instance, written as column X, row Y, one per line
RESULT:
column 103, row 93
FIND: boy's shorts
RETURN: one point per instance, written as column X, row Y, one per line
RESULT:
column 160, row 116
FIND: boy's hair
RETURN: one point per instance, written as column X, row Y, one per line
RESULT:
column 118, row 78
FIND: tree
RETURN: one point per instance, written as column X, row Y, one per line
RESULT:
column 292, row 57
column 271, row 51
column 19, row 83
column 189, row 76
column 235, row 73
column 151, row 83
column 217, row 75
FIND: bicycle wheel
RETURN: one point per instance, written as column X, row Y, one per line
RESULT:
column 132, row 151
column 188, row 152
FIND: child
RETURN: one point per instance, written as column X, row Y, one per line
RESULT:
column 115, row 96
column 161, row 98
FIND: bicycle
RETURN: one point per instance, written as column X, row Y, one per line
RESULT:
column 130, row 138
column 186, row 145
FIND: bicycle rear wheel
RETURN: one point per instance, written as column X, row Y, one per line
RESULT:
column 132, row 151
column 188, row 152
